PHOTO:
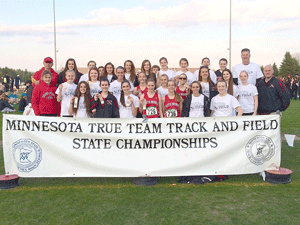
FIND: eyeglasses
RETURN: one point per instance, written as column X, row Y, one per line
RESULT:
column 182, row 78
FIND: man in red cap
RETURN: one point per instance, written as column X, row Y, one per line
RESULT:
column 48, row 63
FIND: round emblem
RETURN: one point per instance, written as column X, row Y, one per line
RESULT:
column 27, row 154
column 260, row 149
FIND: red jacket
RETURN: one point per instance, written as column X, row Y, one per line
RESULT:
column 43, row 99
column 38, row 74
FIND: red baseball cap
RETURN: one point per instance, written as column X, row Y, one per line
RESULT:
column 48, row 59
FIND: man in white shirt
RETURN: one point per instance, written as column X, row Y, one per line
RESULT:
column 206, row 62
column 253, row 69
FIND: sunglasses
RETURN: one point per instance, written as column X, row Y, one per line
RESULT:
column 182, row 78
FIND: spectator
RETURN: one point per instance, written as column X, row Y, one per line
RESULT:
column 6, row 80
column 22, row 103
column 5, row 107
column 18, row 82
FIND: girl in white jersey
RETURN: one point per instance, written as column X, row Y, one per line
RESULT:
column 94, row 81
column 115, row 86
column 81, row 101
column 208, row 88
column 224, row 104
column 109, row 72
column 183, row 63
column 232, row 89
column 248, row 96
column 65, row 92
column 128, row 103
column 163, row 89
column 130, row 74
column 164, row 68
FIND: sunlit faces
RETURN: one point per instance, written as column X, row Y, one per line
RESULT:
column 221, row 86
column 163, row 64
column 91, row 65
column 268, row 71
column 82, row 88
column 155, row 70
column 104, row 86
column 47, row 78
column 245, row 57
column 109, row 69
column 126, row 88
column 171, row 86
column 48, row 65
column 147, row 66
column 195, row 88
column 71, row 65
column 204, row 73
column 128, row 67
column 142, row 78
column 164, row 79
column 222, row 65
column 182, row 79
column 183, row 64
column 244, row 77
column 226, row 75
column 70, row 76
column 205, row 62
column 120, row 74
column 94, row 75
column 101, row 71
column 150, row 85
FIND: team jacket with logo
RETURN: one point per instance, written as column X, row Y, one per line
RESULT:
column 43, row 99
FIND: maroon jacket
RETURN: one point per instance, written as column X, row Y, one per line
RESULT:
column 43, row 99
column 38, row 74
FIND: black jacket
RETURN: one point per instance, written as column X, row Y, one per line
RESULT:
column 5, row 104
column 212, row 90
column 111, row 109
column 186, row 105
column 272, row 96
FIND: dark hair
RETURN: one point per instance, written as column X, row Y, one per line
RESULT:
column 230, row 82
column 163, row 58
column 184, row 59
column 204, row 59
column 94, row 68
column 87, row 97
column 223, row 59
column 150, row 69
column 100, row 67
column 91, row 61
column 67, row 68
column 120, row 67
column 132, row 70
column 156, row 66
column 122, row 98
column 104, row 80
column 200, row 77
column 245, row 50
column 105, row 69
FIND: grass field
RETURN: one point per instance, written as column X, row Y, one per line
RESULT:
column 244, row 199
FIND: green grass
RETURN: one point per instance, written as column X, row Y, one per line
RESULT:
column 243, row 199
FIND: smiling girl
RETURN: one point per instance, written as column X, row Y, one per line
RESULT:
column 94, row 82
column 128, row 103
column 172, row 102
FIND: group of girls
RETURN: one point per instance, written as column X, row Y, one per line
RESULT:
column 154, row 92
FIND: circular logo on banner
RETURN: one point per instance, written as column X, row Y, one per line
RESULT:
column 260, row 149
column 27, row 154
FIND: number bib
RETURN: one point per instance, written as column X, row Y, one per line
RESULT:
column 170, row 113
column 151, row 111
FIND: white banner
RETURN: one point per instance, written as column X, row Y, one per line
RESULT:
column 69, row 147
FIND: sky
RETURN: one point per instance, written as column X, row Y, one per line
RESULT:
column 114, row 31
